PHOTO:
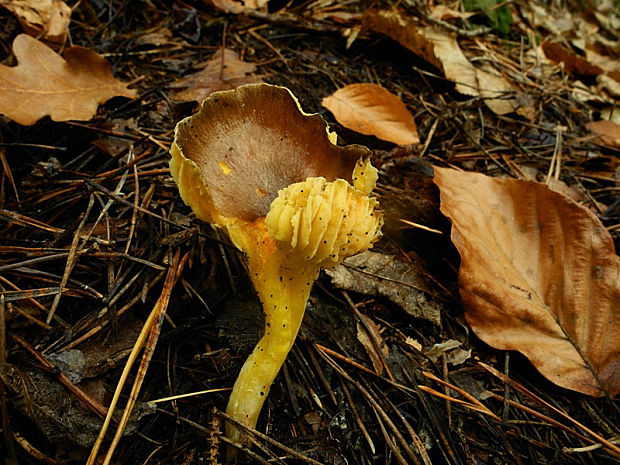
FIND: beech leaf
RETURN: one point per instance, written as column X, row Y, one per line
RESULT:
column 65, row 88
column 538, row 274
column 372, row 110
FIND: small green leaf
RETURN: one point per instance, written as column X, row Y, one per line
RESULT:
column 499, row 18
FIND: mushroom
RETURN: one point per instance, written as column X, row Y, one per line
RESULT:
column 272, row 177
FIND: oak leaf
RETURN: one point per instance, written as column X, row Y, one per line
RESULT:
column 223, row 71
column 372, row 110
column 538, row 274
column 48, row 19
column 65, row 88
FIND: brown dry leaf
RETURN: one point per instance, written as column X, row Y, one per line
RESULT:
column 223, row 71
column 236, row 7
column 531, row 173
column 611, row 113
column 442, row 50
column 65, row 88
column 608, row 132
column 366, row 340
column 341, row 17
column 539, row 274
column 598, row 55
column 610, row 82
column 111, row 144
column 437, row 350
column 372, row 110
column 608, row 61
column 47, row 19
column 451, row 349
column 374, row 273
column 255, row 4
column 573, row 64
column 558, row 23
column 445, row 12
column 157, row 37
column 413, row 343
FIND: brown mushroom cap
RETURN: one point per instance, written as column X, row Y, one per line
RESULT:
column 251, row 142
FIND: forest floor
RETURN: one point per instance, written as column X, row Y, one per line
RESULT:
column 94, row 238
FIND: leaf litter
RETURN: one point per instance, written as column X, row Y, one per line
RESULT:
column 513, row 113
column 443, row 51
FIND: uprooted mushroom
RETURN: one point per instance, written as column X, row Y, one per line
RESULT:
column 252, row 163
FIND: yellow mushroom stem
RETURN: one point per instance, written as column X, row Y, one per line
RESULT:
column 284, row 293
column 310, row 225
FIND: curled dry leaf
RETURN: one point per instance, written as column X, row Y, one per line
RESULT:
column 223, row 71
column 451, row 348
column 47, row 19
column 65, row 88
column 367, row 341
column 437, row 350
column 413, row 343
column 442, row 50
column 539, row 274
column 372, row 110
